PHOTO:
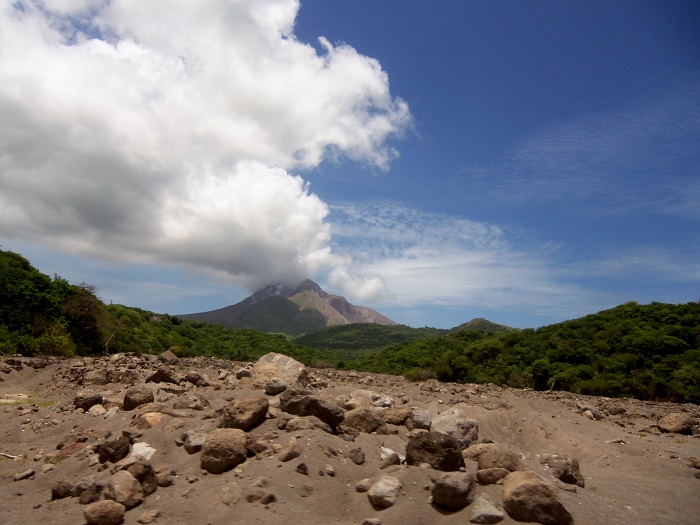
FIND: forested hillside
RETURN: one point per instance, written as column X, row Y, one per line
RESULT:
column 40, row 315
column 646, row 351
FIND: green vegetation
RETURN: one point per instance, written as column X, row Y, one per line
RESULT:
column 645, row 351
column 44, row 316
column 353, row 340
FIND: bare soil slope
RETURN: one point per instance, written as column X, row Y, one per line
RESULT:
column 634, row 473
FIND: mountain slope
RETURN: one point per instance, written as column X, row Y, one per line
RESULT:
column 292, row 310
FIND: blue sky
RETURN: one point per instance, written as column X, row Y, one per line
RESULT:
column 527, row 162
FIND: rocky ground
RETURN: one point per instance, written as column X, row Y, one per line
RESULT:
column 146, row 439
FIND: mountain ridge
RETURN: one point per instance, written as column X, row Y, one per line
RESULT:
column 293, row 310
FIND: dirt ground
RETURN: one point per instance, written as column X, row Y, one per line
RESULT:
column 633, row 472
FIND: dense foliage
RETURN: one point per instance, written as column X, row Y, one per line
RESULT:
column 44, row 316
column 645, row 351
column 353, row 340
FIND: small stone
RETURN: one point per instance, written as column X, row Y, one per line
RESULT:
column 484, row 511
column 384, row 492
column 302, row 468
column 357, row 456
column 24, row 475
column 148, row 516
column 453, row 490
column 363, row 485
column 291, row 451
column 371, row 521
column 105, row 512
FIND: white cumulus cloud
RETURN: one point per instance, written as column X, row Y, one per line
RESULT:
column 169, row 131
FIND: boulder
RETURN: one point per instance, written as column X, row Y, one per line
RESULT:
column 223, row 449
column 395, row 415
column 484, row 510
column 192, row 401
column 365, row 420
column 676, row 423
column 489, row 476
column 419, row 418
column 86, row 399
column 527, row 497
column 363, row 397
column 279, row 366
column 440, row 451
column 168, row 358
column 384, row 492
column 124, row 488
column 136, row 396
column 144, row 472
column 453, row 490
column 275, row 386
column 244, row 413
column 114, row 450
column 164, row 374
column 564, row 468
column 454, row 422
column 498, row 457
column 291, row 451
column 105, row 512
column 193, row 440
column 303, row 403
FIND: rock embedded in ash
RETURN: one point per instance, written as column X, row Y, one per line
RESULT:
column 396, row 415
column 453, row 490
column 484, row 511
column 148, row 420
column 419, row 419
column 62, row 489
column 564, row 468
column 499, row 457
column 149, row 516
column 86, row 399
column 527, row 497
column 279, row 366
column 676, row 423
column 365, row 420
column 275, row 386
column 489, row 476
column 144, row 472
column 390, row 460
column 124, row 488
column 440, row 451
column 384, row 492
column 303, row 403
column 164, row 374
column 192, row 401
column 454, row 422
column 223, row 449
column 105, row 512
column 357, row 455
column 168, row 358
column 244, row 413
column 136, row 396
column 291, row 451
column 114, row 450
column 369, row 398
column 26, row 474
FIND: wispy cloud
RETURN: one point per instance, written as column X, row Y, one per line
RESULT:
column 641, row 158
column 434, row 259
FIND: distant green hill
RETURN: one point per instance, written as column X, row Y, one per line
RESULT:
column 480, row 324
column 350, row 341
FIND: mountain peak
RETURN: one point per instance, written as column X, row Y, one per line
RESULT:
column 293, row 310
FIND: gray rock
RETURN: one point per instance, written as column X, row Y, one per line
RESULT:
column 484, row 511
column 168, row 358
column 193, row 440
column 136, row 396
column 303, row 403
column 454, row 422
column 384, row 492
column 114, row 450
column 164, row 374
column 86, row 399
column 419, row 418
column 453, row 490
column 275, row 386
column 357, row 456
column 62, row 489
column 279, row 366
column 26, row 474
